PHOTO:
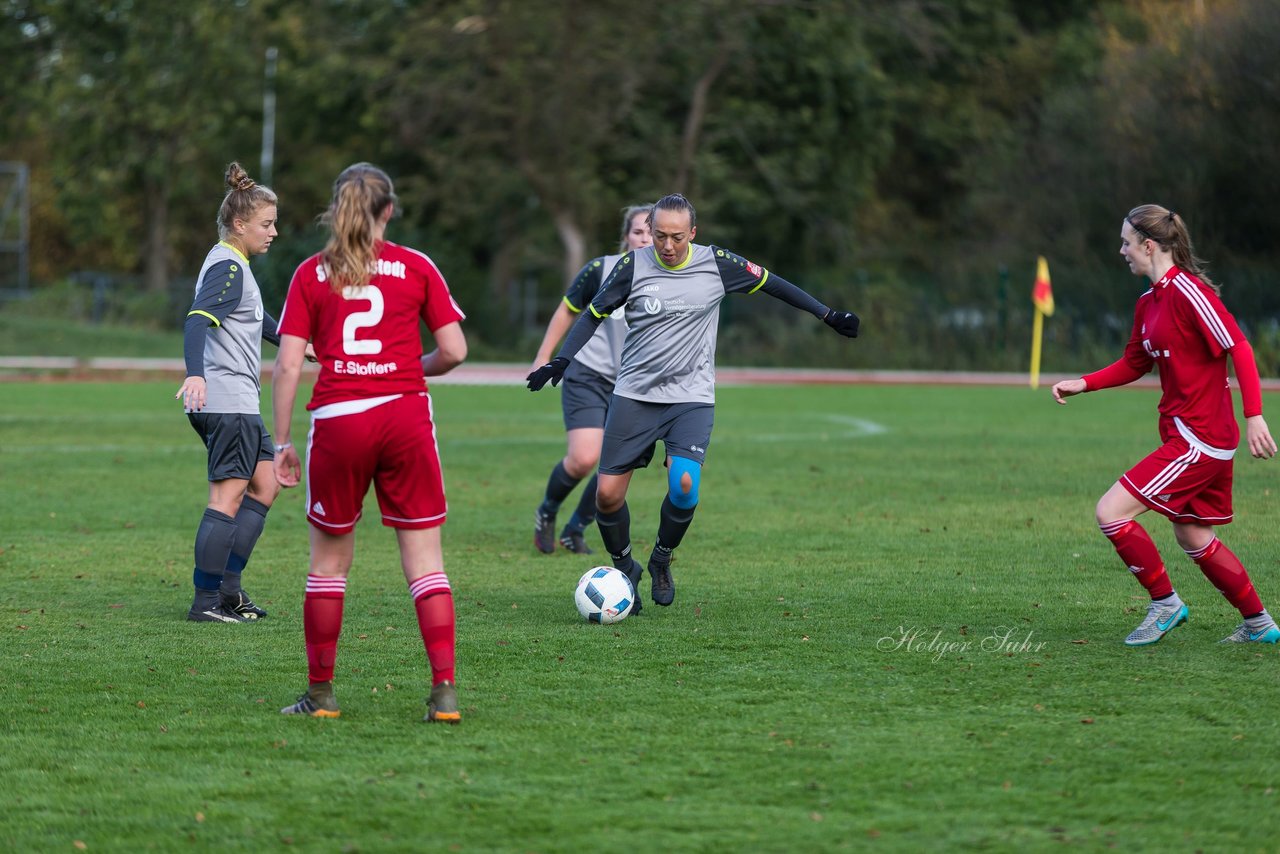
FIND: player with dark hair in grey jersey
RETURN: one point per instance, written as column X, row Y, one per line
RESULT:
column 666, row 381
column 222, row 346
column 584, row 397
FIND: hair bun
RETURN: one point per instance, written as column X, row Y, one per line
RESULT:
column 238, row 179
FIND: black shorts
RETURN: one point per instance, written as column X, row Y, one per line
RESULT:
column 634, row 427
column 584, row 397
column 236, row 443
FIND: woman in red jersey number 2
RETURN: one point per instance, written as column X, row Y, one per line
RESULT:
column 360, row 302
column 1181, row 325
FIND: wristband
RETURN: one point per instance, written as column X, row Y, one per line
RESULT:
column 280, row 448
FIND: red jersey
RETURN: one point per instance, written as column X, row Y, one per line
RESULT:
column 367, row 339
column 1182, row 326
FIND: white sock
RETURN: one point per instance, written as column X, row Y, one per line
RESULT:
column 1261, row 621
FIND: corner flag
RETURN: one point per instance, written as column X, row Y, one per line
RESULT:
column 1042, row 292
column 1042, row 297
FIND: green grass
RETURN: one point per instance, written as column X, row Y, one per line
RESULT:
column 774, row 707
column 22, row 335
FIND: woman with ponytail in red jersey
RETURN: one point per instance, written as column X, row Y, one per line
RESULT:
column 1181, row 325
column 360, row 302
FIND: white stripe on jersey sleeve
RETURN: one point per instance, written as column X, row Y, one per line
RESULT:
column 1205, row 310
column 427, row 258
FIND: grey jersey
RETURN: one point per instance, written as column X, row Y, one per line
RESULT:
column 604, row 351
column 227, row 295
column 672, row 314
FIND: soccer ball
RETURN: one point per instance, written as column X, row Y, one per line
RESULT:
column 604, row 595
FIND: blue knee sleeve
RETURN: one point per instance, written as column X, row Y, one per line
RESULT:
column 680, row 466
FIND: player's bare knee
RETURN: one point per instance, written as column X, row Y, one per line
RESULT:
column 579, row 465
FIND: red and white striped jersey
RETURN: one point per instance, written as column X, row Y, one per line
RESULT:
column 1181, row 325
column 367, row 340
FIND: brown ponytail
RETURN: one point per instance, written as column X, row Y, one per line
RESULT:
column 361, row 195
column 1167, row 229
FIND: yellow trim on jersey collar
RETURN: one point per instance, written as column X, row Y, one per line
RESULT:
column 685, row 263
column 233, row 249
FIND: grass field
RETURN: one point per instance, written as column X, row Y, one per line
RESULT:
column 896, row 628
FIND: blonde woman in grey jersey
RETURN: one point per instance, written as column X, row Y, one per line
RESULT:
column 222, row 347
column 584, row 397
column 666, row 379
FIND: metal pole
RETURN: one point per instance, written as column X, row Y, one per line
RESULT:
column 269, row 116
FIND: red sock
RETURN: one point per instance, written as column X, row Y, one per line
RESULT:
column 433, row 600
column 1220, row 565
column 1139, row 553
column 322, row 623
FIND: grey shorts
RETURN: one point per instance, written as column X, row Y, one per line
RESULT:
column 236, row 443
column 634, row 427
column 584, row 397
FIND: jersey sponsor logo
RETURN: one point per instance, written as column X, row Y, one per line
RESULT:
column 652, row 305
column 756, row 269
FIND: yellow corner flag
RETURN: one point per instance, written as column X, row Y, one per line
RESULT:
column 1042, row 296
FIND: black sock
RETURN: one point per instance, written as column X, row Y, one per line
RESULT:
column 673, row 523
column 213, row 546
column 615, row 531
column 586, row 512
column 559, row 485
column 250, row 521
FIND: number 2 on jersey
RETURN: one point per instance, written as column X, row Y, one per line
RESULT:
column 362, row 320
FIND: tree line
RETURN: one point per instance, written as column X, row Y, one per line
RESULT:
column 909, row 159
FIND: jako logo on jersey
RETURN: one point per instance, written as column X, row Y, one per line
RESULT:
column 652, row 306
column 756, row 269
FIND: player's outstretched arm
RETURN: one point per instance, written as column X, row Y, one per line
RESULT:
column 844, row 322
column 552, row 372
column 1068, row 388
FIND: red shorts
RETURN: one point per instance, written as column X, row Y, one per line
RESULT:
column 1183, row 483
column 392, row 445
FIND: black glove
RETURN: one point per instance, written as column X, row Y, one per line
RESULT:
column 553, row 370
column 844, row 322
